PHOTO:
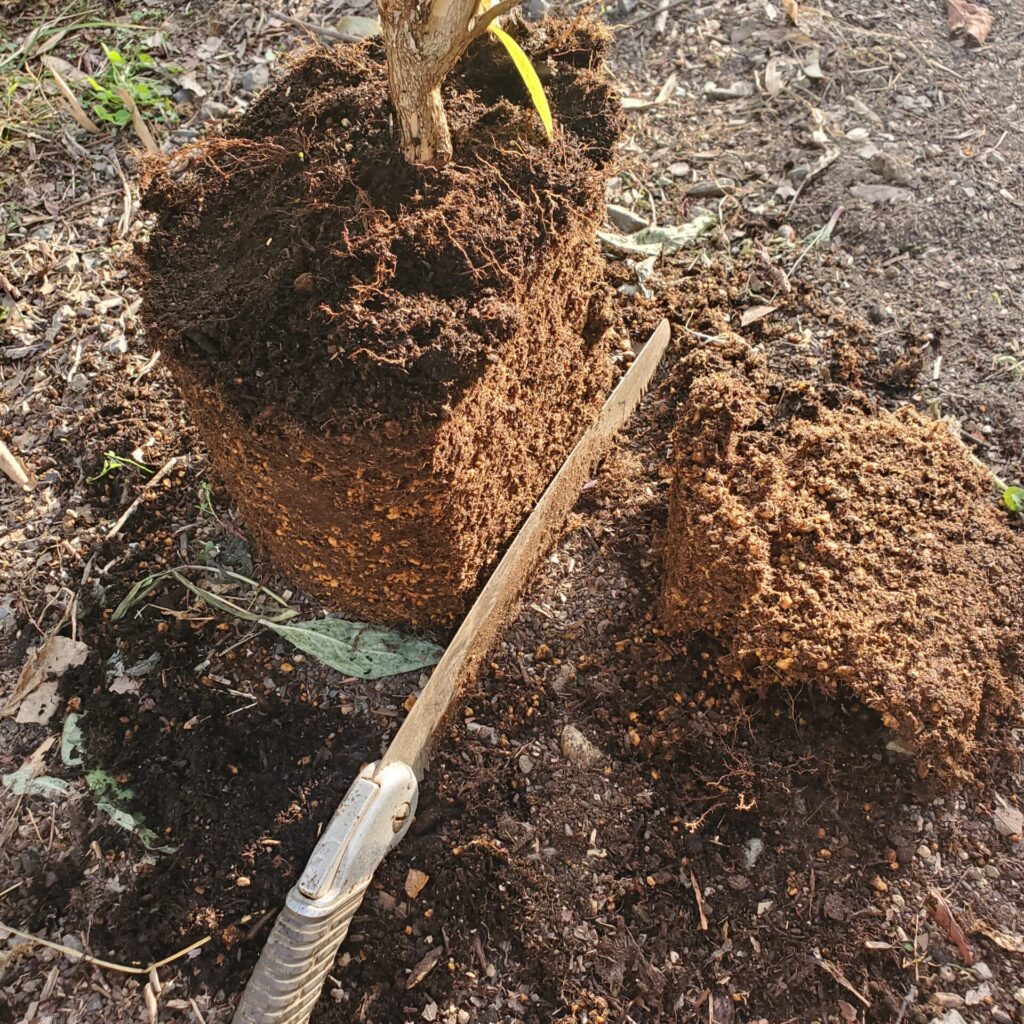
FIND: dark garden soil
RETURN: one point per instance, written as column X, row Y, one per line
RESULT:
column 616, row 827
column 388, row 363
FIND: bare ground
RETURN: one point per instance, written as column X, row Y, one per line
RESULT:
column 721, row 858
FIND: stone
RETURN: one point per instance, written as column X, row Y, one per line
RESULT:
column 951, row 1016
column 577, row 749
column 982, row 971
column 752, row 849
column 978, row 994
column 625, row 220
column 255, row 78
column 211, row 110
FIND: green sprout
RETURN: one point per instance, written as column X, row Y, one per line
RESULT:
column 205, row 504
column 112, row 462
column 1013, row 499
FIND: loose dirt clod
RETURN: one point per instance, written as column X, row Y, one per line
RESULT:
column 388, row 363
column 828, row 544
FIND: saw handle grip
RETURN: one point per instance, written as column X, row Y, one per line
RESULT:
column 373, row 817
column 294, row 964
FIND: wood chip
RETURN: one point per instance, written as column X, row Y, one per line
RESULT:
column 15, row 470
column 414, row 882
column 424, row 967
column 700, row 902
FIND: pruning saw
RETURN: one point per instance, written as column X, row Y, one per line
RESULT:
column 378, row 808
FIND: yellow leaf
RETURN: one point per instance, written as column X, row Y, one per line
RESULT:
column 529, row 75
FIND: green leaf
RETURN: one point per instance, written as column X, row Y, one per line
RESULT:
column 359, row 649
column 1013, row 499
column 113, row 56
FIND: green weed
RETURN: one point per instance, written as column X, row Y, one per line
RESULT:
column 135, row 72
column 112, row 462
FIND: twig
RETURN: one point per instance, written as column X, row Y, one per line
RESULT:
column 653, row 14
column 152, row 482
column 319, row 30
column 76, row 954
column 837, row 975
column 700, row 902
column 905, row 1005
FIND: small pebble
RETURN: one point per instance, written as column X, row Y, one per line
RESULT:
column 243, row 881
column 525, row 764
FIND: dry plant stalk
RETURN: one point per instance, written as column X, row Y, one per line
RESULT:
column 423, row 39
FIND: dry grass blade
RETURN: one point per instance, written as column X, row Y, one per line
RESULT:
column 76, row 954
column 840, row 979
column 77, row 111
column 138, row 123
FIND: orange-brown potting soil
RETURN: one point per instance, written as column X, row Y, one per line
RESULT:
column 387, row 363
column 829, row 544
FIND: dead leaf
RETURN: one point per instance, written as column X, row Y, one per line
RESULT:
column 755, row 313
column 943, row 917
column 774, row 79
column 35, row 699
column 1009, row 941
column 414, row 882
column 969, row 20
column 423, row 968
column 812, row 64
column 880, row 193
column 1009, row 821
column 792, row 9
column 187, row 80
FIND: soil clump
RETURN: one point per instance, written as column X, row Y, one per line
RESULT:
column 829, row 544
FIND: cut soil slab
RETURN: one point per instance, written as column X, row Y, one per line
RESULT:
column 832, row 545
column 388, row 363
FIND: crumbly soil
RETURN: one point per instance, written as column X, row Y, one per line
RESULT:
column 824, row 543
column 559, row 889
column 417, row 350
